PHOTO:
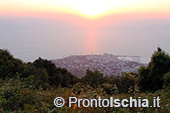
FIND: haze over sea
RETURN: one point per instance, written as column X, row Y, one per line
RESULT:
column 28, row 38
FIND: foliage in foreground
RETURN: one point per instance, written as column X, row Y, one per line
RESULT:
column 32, row 87
column 14, row 97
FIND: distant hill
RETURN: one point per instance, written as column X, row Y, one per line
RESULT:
column 107, row 64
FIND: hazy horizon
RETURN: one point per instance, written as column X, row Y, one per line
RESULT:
column 30, row 38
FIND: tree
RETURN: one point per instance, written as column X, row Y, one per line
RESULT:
column 57, row 76
column 151, row 77
column 8, row 64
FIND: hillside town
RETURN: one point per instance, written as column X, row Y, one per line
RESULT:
column 107, row 64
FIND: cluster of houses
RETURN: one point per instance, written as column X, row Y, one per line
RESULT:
column 107, row 64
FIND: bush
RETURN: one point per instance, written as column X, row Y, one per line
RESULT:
column 124, row 82
column 93, row 78
column 167, row 80
column 56, row 76
column 13, row 94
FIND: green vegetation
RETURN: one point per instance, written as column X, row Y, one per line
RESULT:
column 32, row 87
column 8, row 65
column 151, row 78
column 93, row 78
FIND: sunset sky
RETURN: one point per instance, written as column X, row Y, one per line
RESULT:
column 66, row 27
column 86, row 8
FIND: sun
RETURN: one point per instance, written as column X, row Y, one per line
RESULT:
column 92, row 8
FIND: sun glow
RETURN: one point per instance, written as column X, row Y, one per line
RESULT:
column 86, row 8
column 92, row 8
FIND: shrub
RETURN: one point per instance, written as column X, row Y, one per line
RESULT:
column 93, row 78
column 167, row 80
column 124, row 82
